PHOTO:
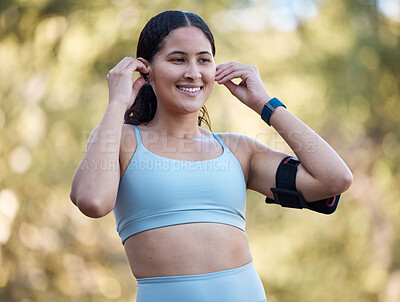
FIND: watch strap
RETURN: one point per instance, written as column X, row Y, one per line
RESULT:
column 268, row 108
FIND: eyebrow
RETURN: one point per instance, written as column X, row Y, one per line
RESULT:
column 184, row 53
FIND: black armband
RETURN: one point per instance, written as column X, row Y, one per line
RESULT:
column 286, row 195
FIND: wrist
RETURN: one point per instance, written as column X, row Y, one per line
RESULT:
column 258, row 106
column 117, row 109
column 275, row 116
column 115, row 105
column 269, row 108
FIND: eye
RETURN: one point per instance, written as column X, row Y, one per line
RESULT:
column 204, row 60
column 177, row 60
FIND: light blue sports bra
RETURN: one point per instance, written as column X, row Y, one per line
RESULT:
column 156, row 191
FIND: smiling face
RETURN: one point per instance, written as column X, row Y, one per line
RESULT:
column 182, row 73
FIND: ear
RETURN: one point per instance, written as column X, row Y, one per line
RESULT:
column 147, row 64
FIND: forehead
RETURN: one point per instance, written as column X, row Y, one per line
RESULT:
column 187, row 39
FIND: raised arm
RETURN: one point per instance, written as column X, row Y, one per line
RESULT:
column 96, row 180
column 322, row 172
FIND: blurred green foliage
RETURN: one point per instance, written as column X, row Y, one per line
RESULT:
column 337, row 69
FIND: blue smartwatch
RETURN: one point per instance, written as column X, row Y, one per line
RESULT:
column 268, row 108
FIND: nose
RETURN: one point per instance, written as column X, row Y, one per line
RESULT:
column 192, row 72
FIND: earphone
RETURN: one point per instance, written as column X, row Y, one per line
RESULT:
column 144, row 75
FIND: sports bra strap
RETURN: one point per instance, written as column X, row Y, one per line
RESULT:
column 219, row 140
column 137, row 133
column 139, row 137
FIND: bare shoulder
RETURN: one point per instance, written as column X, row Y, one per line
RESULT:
column 242, row 148
column 127, row 146
column 93, row 133
column 128, row 139
column 127, row 136
column 127, row 128
column 242, row 143
column 259, row 162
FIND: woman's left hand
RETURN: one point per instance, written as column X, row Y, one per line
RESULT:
column 250, row 91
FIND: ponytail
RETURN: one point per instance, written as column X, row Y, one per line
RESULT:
column 144, row 108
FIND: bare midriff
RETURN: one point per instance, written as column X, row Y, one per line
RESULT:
column 187, row 249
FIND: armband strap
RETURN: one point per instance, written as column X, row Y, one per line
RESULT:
column 286, row 195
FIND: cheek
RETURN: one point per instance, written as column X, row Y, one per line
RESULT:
column 209, row 75
column 163, row 79
column 170, row 76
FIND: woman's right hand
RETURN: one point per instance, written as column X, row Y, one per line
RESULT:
column 120, row 87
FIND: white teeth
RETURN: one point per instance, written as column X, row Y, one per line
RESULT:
column 189, row 89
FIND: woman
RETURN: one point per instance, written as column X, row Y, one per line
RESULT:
column 178, row 191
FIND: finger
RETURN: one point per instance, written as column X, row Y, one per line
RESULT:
column 222, row 69
column 137, row 65
column 129, row 65
column 123, row 63
column 229, row 70
column 233, row 75
column 229, row 66
column 225, row 65
column 137, row 85
column 231, row 86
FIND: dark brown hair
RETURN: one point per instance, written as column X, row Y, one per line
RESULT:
column 151, row 41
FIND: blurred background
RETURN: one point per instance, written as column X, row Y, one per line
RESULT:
column 335, row 64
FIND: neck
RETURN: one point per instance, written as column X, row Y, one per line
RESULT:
column 177, row 125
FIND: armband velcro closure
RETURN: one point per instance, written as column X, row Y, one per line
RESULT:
column 287, row 198
column 286, row 194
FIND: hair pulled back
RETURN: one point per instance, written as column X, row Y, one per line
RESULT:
column 151, row 41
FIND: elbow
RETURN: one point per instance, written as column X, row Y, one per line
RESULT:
column 72, row 196
column 94, row 205
column 341, row 183
column 348, row 180
column 93, row 208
